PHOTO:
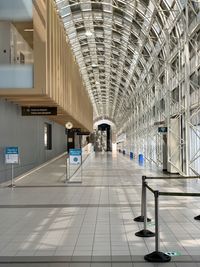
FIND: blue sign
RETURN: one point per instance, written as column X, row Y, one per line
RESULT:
column 75, row 156
column 11, row 155
column 75, row 152
column 12, row 150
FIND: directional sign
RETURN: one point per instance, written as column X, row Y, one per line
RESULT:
column 162, row 129
column 11, row 155
column 39, row 111
column 72, row 130
column 75, row 156
column 83, row 133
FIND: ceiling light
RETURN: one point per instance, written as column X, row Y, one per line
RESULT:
column 28, row 30
column 88, row 33
column 94, row 65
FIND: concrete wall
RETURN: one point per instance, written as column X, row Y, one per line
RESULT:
column 28, row 134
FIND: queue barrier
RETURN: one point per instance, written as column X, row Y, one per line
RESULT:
column 157, row 255
column 144, row 178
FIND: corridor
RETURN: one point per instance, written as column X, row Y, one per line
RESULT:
column 89, row 221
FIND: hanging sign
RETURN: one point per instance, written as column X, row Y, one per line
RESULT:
column 162, row 129
column 11, row 155
column 39, row 111
column 75, row 156
column 83, row 133
column 72, row 130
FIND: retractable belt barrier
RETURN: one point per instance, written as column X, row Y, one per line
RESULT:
column 157, row 255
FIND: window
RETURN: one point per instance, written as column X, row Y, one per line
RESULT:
column 47, row 136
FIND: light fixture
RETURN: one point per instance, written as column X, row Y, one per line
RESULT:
column 28, row 30
column 88, row 33
column 94, row 65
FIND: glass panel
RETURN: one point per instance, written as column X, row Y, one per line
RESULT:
column 16, row 10
column 16, row 76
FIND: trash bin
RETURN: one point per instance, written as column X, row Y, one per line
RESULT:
column 141, row 159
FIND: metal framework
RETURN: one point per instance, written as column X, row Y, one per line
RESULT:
column 140, row 62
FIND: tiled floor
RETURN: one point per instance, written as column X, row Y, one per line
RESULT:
column 51, row 223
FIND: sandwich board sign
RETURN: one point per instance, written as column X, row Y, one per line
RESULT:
column 75, row 156
column 11, row 155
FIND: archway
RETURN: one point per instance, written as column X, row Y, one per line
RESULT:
column 105, row 135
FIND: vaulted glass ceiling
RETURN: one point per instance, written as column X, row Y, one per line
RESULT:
column 114, row 42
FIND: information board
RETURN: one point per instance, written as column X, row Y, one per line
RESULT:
column 75, row 156
column 11, row 155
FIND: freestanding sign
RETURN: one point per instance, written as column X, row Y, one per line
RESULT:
column 11, row 155
column 75, row 156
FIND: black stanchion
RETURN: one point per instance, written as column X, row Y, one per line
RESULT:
column 141, row 217
column 197, row 218
column 145, row 232
column 157, row 256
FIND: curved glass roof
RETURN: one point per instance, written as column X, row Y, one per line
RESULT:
column 115, row 43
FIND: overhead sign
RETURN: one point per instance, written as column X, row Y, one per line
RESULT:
column 75, row 156
column 72, row 130
column 162, row 129
column 83, row 133
column 11, row 155
column 39, row 111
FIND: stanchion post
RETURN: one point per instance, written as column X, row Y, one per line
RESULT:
column 12, row 175
column 197, row 217
column 66, row 170
column 145, row 232
column 157, row 255
column 141, row 217
column 157, row 239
